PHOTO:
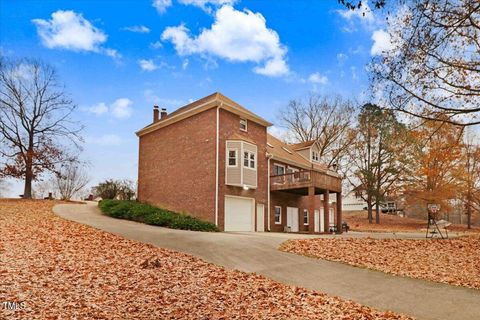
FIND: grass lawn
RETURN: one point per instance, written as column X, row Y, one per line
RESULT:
column 358, row 221
column 454, row 261
column 62, row 269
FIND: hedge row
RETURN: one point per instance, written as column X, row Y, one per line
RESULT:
column 141, row 212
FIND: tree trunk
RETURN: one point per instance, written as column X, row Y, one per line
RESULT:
column 370, row 211
column 469, row 211
column 377, row 213
column 27, row 191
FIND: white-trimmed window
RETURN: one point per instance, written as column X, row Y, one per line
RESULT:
column 249, row 160
column 232, row 158
column 243, row 124
column 305, row 217
column 278, row 215
column 315, row 156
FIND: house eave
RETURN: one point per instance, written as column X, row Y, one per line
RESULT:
column 217, row 100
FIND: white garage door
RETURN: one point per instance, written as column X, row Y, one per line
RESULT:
column 239, row 214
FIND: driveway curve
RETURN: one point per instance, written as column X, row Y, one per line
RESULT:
column 257, row 252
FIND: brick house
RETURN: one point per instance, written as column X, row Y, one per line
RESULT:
column 215, row 160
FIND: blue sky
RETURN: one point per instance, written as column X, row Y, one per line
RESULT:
column 119, row 58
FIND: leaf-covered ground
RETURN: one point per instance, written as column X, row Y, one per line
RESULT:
column 454, row 261
column 64, row 270
column 358, row 221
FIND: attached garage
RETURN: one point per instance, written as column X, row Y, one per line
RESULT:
column 239, row 214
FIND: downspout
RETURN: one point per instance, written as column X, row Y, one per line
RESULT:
column 216, row 163
column 269, row 156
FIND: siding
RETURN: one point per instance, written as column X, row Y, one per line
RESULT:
column 305, row 153
column 229, row 126
column 233, row 175
column 249, row 175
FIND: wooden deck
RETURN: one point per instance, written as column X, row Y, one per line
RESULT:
column 305, row 179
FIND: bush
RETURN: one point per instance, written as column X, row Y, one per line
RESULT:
column 115, row 189
column 136, row 211
column 107, row 205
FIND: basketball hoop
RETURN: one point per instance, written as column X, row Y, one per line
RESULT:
column 433, row 210
column 433, row 207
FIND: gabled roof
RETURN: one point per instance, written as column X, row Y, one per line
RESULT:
column 211, row 101
column 302, row 145
column 285, row 153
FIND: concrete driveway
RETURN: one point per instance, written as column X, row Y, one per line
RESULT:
column 257, row 252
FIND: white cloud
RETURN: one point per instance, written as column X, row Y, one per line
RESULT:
column 341, row 58
column 317, row 78
column 281, row 133
column 364, row 14
column 71, row 31
column 105, row 140
column 137, row 29
column 23, row 71
column 121, row 108
column 207, row 4
column 185, row 64
column 381, row 43
column 148, row 65
column 112, row 53
column 161, row 5
column 151, row 97
column 169, row 103
column 353, row 70
column 273, row 67
column 98, row 109
column 237, row 36
column 156, row 45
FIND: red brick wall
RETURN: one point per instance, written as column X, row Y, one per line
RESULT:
column 177, row 166
column 177, row 169
column 284, row 200
column 229, row 125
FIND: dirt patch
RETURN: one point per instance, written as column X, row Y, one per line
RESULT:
column 358, row 221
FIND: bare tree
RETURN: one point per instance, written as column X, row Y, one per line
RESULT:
column 432, row 69
column 471, row 177
column 70, row 180
column 323, row 119
column 35, row 121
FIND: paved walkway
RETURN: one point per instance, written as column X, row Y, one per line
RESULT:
column 257, row 252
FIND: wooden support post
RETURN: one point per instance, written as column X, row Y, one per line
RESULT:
column 311, row 209
column 326, row 210
column 339, row 212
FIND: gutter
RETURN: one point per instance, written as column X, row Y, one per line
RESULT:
column 269, row 157
column 217, row 139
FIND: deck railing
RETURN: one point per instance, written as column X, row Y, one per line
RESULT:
column 305, row 178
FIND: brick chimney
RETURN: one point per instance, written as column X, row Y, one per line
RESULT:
column 155, row 113
column 163, row 114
